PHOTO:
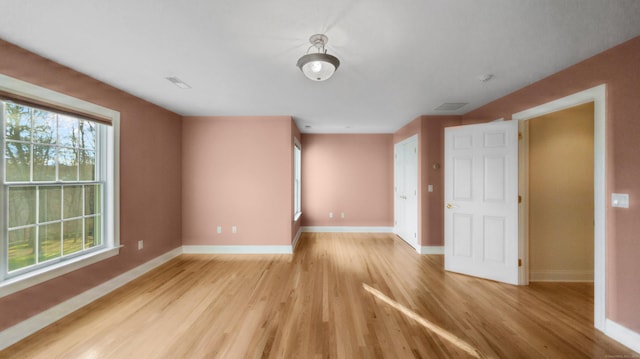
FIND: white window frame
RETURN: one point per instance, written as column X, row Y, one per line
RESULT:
column 297, row 179
column 111, row 145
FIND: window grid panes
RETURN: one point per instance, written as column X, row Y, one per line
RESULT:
column 53, row 195
column 42, row 146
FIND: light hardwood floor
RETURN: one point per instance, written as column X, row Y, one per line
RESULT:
column 339, row 296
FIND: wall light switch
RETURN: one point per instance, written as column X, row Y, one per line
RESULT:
column 234, row 229
column 620, row 200
column 140, row 244
column 330, row 214
column 219, row 229
column 342, row 215
column 430, row 188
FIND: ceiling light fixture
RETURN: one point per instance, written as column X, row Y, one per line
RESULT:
column 318, row 66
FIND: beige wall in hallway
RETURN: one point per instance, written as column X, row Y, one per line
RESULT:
column 561, row 195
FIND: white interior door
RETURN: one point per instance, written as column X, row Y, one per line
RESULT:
column 406, row 190
column 481, row 200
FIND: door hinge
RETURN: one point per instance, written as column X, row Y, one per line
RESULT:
column 519, row 262
column 519, row 199
column 519, row 135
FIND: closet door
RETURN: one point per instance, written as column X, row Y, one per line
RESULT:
column 406, row 190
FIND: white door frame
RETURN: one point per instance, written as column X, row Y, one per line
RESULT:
column 597, row 95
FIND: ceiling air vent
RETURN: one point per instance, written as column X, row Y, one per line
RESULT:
column 451, row 106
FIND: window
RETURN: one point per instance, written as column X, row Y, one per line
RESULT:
column 297, row 163
column 59, row 202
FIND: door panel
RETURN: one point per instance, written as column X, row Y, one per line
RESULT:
column 462, row 186
column 462, row 228
column 481, row 198
column 494, row 179
column 494, row 237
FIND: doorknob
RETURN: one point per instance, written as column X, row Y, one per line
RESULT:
column 450, row 206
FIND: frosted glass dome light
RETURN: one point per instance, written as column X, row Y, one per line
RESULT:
column 318, row 66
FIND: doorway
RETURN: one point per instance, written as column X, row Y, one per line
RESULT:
column 595, row 95
column 520, row 241
column 559, row 151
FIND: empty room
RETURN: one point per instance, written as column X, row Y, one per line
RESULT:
column 306, row 179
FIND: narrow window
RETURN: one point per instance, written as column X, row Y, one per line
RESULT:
column 297, row 185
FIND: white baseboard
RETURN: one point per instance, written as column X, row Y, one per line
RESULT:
column 29, row 326
column 561, row 276
column 432, row 250
column 623, row 335
column 294, row 244
column 338, row 229
column 237, row 249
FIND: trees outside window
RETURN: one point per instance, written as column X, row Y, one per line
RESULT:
column 52, row 186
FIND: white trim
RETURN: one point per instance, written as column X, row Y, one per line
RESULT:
column 297, row 179
column 597, row 95
column 216, row 249
column 561, row 275
column 44, row 95
column 27, row 327
column 294, row 244
column 431, row 250
column 623, row 335
column 523, row 207
column 336, row 229
column 29, row 279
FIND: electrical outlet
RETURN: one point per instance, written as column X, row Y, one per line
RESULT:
column 140, row 244
column 330, row 214
column 620, row 200
column 234, row 229
column 219, row 229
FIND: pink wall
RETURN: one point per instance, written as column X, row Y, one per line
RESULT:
column 150, row 181
column 237, row 172
column 619, row 69
column 430, row 130
column 347, row 173
column 433, row 153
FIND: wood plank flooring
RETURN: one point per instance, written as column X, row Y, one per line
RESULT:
column 339, row 296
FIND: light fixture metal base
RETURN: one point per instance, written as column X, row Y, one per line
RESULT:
column 319, row 40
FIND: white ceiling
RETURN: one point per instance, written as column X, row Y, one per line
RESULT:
column 399, row 59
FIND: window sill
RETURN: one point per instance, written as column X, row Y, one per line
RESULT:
column 27, row 280
column 296, row 216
